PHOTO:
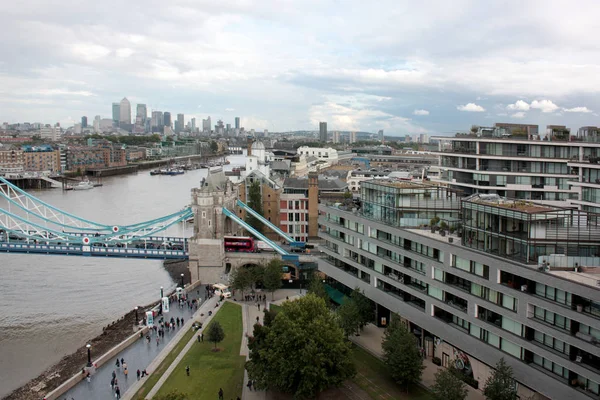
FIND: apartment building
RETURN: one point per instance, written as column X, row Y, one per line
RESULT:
column 521, row 165
column 41, row 158
column 12, row 158
column 501, row 278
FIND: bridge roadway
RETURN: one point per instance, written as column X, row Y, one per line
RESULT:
column 153, row 247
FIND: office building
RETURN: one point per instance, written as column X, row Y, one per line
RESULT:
column 323, row 132
column 97, row 119
column 125, row 112
column 237, row 122
column 141, row 111
column 518, row 165
column 336, row 137
column 116, row 112
column 50, row 133
column 493, row 278
column 380, row 136
column 167, row 119
column 352, row 137
column 157, row 121
column 193, row 125
column 180, row 122
column 84, row 122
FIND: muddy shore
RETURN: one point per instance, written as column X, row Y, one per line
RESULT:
column 111, row 335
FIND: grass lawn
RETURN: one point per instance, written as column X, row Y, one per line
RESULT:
column 275, row 307
column 156, row 374
column 372, row 376
column 210, row 370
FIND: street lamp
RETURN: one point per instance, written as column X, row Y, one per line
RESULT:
column 161, row 297
column 137, row 321
column 89, row 346
column 182, row 281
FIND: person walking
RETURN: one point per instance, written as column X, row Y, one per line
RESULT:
column 112, row 383
column 118, row 364
column 199, row 338
column 258, row 305
column 220, row 393
column 157, row 340
column 122, row 361
column 249, row 384
column 117, row 393
column 138, row 374
column 187, row 370
column 126, row 372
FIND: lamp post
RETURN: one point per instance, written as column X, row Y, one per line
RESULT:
column 182, row 281
column 137, row 321
column 161, row 297
column 89, row 346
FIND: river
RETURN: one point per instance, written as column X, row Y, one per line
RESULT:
column 51, row 305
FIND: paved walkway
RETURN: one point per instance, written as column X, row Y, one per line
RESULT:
column 370, row 339
column 137, row 356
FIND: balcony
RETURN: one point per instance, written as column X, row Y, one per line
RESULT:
column 490, row 317
column 457, row 282
column 456, row 302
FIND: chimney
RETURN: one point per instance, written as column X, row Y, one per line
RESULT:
column 250, row 141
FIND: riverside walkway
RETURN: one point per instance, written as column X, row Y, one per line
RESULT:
column 137, row 356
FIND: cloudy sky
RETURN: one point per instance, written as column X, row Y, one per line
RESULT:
column 402, row 66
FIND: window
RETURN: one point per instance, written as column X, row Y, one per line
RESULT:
column 552, row 318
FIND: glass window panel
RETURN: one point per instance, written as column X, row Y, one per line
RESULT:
column 494, row 340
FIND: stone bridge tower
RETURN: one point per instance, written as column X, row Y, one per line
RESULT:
column 210, row 225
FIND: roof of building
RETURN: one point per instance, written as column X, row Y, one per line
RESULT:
column 325, row 183
column 495, row 200
column 215, row 181
column 258, row 145
column 281, row 165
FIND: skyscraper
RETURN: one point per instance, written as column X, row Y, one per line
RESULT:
column 323, row 132
column 237, row 122
column 167, row 118
column 352, row 137
column 83, row 122
column 380, row 135
column 116, row 112
column 193, row 125
column 141, row 111
column 180, row 121
column 157, row 121
column 97, row 119
column 125, row 112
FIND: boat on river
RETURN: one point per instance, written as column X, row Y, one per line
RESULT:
column 84, row 185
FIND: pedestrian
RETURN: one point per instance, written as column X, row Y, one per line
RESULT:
column 117, row 393
column 182, row 321
column 144, row 373
column 249, row 384
column 258, row 305
column 118, row 364
column 199, row 339
column 124, row 364
column 112, row 383
column 157, row 340
column 114, row 374
column 202, row 337
column 257, row 319
column 122, row 361
column 138, row 374
column 220, row 393
column 187, row 370
column 177, row 321
column 126, row 372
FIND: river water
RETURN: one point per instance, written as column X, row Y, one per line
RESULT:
column 51, row 305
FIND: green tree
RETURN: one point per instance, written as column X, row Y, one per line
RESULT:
column 255, row 203
column 365, row 307
column 303, row 352
column 401, row 355
column 349, row 317
column 269, row 317
column 272, row 276
column 501, row 384
column 317, row 287
column 215, row 333
column 173, row 395
column 257, row 274
column 241, row 279
column 214, row 146
column 448, row 386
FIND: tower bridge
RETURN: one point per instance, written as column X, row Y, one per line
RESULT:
column 29, row 225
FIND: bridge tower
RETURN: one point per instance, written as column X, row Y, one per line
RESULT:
column 210, row 225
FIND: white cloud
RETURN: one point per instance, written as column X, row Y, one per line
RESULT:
column 124, row 52
column 546, row 106
column 471, row 107
column 230, row 109
column 584, row 110
column 519, row 105
column 518, row 115
column 421, row 112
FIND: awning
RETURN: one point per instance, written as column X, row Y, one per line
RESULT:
column 335, row 295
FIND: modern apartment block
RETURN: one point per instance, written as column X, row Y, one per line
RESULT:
column 502, row 278
column 520, row 165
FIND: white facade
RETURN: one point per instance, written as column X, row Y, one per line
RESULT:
column 97, row 124
column 328, row 154
column 125, row 111
column 49, row 133
column 260, row 160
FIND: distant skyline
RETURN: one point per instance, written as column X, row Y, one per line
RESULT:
column 404, row 67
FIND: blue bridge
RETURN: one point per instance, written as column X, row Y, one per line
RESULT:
column 29, row 225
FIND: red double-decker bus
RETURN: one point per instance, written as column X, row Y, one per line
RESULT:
column 239, row 244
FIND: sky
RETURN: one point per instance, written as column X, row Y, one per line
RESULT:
column 407, row 67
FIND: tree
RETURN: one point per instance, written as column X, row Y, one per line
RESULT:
column 215, row 333
column 365, row 307
column 240, row 279
column 349, row 317
column 272, row 276
column 214, row 146
column 317, row 287
column 401, row 355
column 269, row 317
column 448, row 386
column 501, row 385
column 173, row 395
column 257, row 274
column 303, row 352
column 255, row 203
